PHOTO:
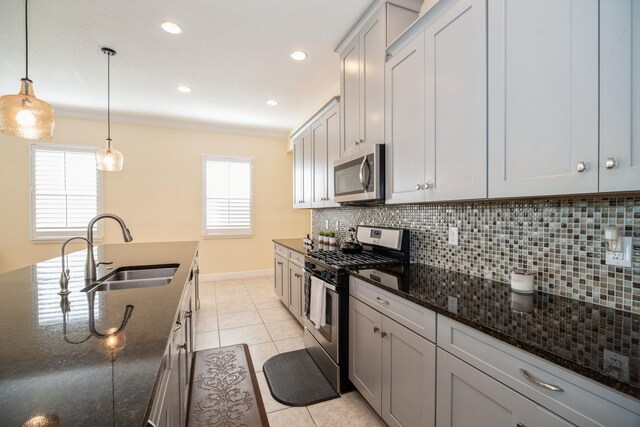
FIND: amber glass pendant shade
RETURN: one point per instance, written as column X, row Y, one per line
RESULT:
column 23, row 115
column 109, row 159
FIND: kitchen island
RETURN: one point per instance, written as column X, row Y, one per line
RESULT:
column 54, row 363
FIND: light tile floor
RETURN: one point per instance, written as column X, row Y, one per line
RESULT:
column 248, row 311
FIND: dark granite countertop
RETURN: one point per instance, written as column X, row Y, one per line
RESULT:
column 294, row 244
column 78, row 377
column 568, row 332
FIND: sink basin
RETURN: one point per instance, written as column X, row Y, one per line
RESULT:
column 114, row 285
column 143, row 273
column 142, row 276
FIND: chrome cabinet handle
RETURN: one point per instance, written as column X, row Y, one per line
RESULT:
column 582, row 166
column 375, row 329
column 188, row 314
column 381, row 301
column 520, row 425
column 384, row 334
column 297, row 275
column 537, row 382
column 610, row 163
column 179, row 325
column 429, row 186
column 278, row 262
column 419, row 187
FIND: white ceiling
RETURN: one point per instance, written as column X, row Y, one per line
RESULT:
column 234, row 54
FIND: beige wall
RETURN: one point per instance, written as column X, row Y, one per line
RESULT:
column 158, row 193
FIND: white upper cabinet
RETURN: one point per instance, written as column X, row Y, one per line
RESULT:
column 325, row 139
column 619, row 95
column 350, row 96
column 456, row 103
column 436, row 109
column 405, row 115
column 302, row 170
column 362, row 61
column 543, row 97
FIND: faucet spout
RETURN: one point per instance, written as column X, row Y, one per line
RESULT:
column 90, row 267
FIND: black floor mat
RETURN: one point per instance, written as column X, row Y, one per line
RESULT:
column 295, row 380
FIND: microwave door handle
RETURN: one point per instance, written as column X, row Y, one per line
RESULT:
column 364, row 185
column 368, row 175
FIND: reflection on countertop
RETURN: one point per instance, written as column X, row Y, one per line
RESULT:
column 565, row 331
column 86, row 358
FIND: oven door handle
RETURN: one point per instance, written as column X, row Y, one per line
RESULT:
column 326, row 284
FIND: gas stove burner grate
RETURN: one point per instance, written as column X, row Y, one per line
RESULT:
column 340, row 259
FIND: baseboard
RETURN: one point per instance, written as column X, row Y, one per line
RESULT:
column 235, row 275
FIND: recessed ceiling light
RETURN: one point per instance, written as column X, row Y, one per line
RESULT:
column 171, row 27
column 184, row 89
column 272, row 102
column 298, row 55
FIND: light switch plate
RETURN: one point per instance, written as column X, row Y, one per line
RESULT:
column 453, row 236
column 452, row 304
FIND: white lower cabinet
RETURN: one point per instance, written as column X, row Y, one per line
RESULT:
column 296, row 289
column 281, row 277
column 468, row 397
column 392, row 367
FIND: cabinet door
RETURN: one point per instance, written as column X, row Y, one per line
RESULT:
column 298, row 173
column 350, row 96
column 373, row 43
column 307, row 170
column 543, row 97
column 279, row 277
column 456, row 103
column 365, row 352
column 319, row 151
column 296, row 275
column 408, row 377
column 619, row 95
column 405, row 148
column 468, row 397
column 332, row 124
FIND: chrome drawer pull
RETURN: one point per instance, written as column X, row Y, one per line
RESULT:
column 530, row 378
column 381, row 301
column 375, row 329
column 178, row 326
column 384, row 334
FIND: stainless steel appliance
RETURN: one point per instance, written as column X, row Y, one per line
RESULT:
column 328, row 344
column 360, row 177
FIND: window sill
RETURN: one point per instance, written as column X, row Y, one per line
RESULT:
column 228, row 236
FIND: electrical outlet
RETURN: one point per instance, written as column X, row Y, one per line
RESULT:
column 452, row 305
column 453, row 236
column 337, row 225
column 326, row 224
column 616, row 365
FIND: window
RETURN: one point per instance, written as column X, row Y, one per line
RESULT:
column 66, row 190
column 227, row 199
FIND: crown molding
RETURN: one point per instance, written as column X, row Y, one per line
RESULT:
column 173, row 123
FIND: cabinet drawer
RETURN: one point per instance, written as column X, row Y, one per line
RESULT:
column 281, row 250
column 296, row 257
column 410, row 315
column 581, row 401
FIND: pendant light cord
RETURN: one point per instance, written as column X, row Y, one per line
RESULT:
column 109, row 100
column 26, row 40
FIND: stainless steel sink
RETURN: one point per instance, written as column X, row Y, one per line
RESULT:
column 146, row 273
column 113, row 285
column 142, row 276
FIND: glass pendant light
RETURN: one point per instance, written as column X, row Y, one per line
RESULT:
column 108, row 158
column 23, row 115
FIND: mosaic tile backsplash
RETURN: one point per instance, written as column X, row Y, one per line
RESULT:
column 562, row 241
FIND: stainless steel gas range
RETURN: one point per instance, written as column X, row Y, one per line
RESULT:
column 328, row 342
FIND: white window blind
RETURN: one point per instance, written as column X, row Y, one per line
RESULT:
column 228, row 193
column 66, row 190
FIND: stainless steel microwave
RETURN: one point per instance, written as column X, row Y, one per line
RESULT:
column 360, row 177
